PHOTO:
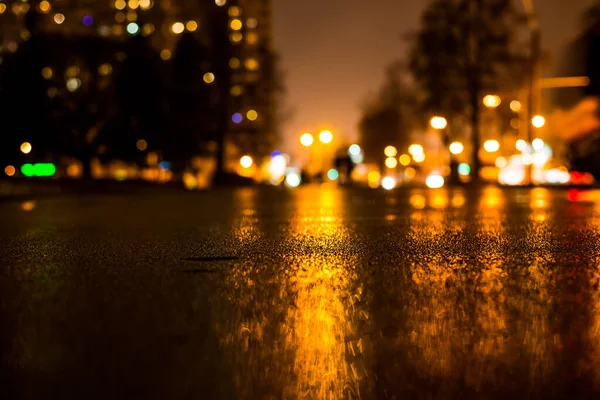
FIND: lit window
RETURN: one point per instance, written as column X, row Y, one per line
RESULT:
column 234, row 11
column 191, row 26
column 120, row 4
column 120, row 17
column 59, row 18
column 47, row 73
column 236, row 24
column 236, row 37
column 252, row 38
column 234, row 63
column 252, row 23
column 44, row 6
column 133, row 4
column 251, row 64
column 177, row 28
column 165, row 54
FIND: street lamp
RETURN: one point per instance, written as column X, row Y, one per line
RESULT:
column 326, row 137
column 307, row 140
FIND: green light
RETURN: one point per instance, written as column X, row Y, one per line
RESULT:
column 464, row 169
column 38, row 170
column 332, row 174
column 28, row 170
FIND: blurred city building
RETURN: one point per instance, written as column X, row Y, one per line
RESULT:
column 251, row 65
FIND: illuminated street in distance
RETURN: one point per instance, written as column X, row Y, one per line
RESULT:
column 314, row 292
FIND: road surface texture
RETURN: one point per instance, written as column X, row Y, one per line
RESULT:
column 320, row 292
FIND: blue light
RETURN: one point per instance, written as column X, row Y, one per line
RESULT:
column 165, row 165
column 88, row 20
column 275, row 153
column 237, row 118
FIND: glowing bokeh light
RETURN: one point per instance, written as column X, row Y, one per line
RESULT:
column 491, row 101
column 209, row 77
column 133, row 28
column 388, row 183
column 404, row 160
column 293, row 180
column 491, row 146
column 419, row 158
column 390, row 151
column 438, row 123
column 191, row 26
column 26, row 148
column 354, row 150
column 246, row 161
column 521, row 145
column 87, row 20
column 434, row 181
column 537, row 144
column 391, row 162
column 237, row 118
column 515, row 106
column 464, row 169
column 235, row 24
column 501, row 162
column 538, row 121
column 141, row 145
column 456, row 148
column 59, row 18
column 10, row 170
column 252, row 115
column 177, row 28
column 307, row 139
column 326, row 137
column 333, row 174
column 414, row 149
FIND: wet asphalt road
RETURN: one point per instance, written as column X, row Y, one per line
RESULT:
column 315, row 293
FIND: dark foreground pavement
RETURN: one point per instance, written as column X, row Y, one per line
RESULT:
column 314, row 293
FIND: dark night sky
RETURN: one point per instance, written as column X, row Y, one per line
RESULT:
column 334, row 53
